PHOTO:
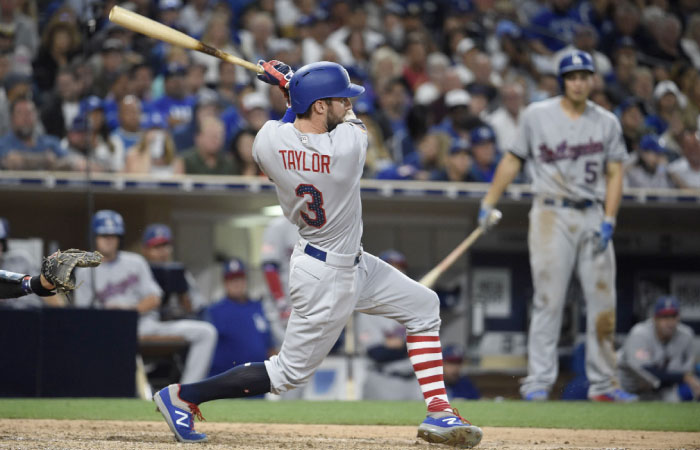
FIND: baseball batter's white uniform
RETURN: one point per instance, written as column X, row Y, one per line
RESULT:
column 568, row 165
column 318, row 186
column 127, row 280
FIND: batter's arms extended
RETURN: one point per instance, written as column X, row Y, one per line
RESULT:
column 507, row 170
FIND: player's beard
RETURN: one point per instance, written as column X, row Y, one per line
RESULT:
column 332, row 121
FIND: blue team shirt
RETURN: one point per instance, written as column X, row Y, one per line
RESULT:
column 42, row 143
column 178, row 109
column 244, row 334
column 555, row 30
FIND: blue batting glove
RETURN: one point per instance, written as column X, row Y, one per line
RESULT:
column 605, row 234
column 484, row 213
column 275, row 73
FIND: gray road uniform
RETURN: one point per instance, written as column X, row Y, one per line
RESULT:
column 318, row 186
column 127, row 280
column 568, row 165
column 643, row 354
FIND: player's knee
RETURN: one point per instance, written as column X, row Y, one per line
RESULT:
column 427, row 317
column 206, row 332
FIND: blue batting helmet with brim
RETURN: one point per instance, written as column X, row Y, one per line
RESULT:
column 575, row 61
column 107, row 222
column 320, row 80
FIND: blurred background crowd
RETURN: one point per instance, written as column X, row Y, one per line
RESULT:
column 446, row 81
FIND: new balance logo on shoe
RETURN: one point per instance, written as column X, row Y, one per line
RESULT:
column 451, row 420
column 182, row 421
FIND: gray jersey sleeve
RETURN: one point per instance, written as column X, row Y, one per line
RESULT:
column 521, row 145
column 147, row 285
column 616, row 148
column 638, row 351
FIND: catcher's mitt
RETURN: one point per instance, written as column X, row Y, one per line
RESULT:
column 58, row 268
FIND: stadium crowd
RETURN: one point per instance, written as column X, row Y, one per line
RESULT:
column 446, row 81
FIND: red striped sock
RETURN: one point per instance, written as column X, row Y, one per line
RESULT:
column 425, row 353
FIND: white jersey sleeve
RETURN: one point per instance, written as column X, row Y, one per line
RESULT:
column 318, row 180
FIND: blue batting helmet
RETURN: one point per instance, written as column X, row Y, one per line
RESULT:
column 109, row 222
column 320, row 80
column 576, row 60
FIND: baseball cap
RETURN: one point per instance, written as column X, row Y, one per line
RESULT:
column 174, row 69
column 80, row 123
column 457, row 97
column 666, row 87
column 15, row 78
column 393, row 257
column 459, row 145
column 465, row 45
column 482, row 134
column 508, row 28
column 666, row 306
column 156, row 234
column 627, row 103
column 90, row 104
column 452, row 353
column 254, row 100
column 651, row 142
column 169, row 4
column 112, row 44
column 234, row 268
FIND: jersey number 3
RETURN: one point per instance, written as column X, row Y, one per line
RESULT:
column 315, row 205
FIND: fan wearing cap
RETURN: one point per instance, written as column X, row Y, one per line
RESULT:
column 685, row 171
column 485, row 154
column 244, row 329
column 457, row 385
column 669, row 99
column 649, row 169
column 457, row 165
column 657, row 360
column 175, row 105
column 155, row 152
column 76, row 144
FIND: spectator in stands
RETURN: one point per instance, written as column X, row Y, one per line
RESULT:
column 514, row 58
column 383, row 340
column 76, row 144
column 553, row 27
column 141, row 81
column 649, row 169
column 18, row 56
column 63, row 105
column 258, row 36
column 194, row 81
column 393, row 102
column 619, row 83
column 124, row 281
column 15, row 86
column 429, row 158
column 314, row 30
column 25, row 148
column 207, row 157
column 657, row 360
column 642, row 87
column 631, row 115
column 467, row 52
column 112, row 62
column 242, row 150
column 690, row 43
column 218, row 35
column 155, row 152
column 415, row 56
column 668, row 99
column 685, row 171
column 504, row 120
column 181, row 298
column 175, row 106
column 228, row 86
column 255, row 109
column 24, row 27
column 459, row 120
column 16, row 261
column 456, row 384
column 626, row 24
column 129, row 131
column 100, row 147
column 243, row 328
column 667, row 34
column 485, row 154
column 458, row 164
column 118, row 83
column 60, row 42
column 194, row 17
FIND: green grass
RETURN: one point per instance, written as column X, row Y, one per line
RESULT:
column 639, row 416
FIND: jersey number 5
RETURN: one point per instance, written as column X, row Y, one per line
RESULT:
column 314, row 205
column 591, row 171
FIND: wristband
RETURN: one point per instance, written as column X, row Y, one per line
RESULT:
column 26, row 285
column 39, row 288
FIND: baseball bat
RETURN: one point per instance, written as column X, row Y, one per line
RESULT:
column 140, row 24
column 431, row 277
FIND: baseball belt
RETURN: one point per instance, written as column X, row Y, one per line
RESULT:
column 334, row 259
column 568, row 203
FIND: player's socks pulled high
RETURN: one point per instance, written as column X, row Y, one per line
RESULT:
column 425, row 353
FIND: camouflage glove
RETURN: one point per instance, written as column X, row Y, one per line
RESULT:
column 59, row 268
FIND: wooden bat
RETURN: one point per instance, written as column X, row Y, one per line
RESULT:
column 140, row 24
column 431, row 277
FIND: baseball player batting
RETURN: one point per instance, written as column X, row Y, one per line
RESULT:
column 315, row 156
column 576, row 151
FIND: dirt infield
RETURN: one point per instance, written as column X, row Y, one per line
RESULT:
column 76, row 434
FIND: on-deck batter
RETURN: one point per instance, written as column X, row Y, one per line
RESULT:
column 576, row 151
column 316, row 163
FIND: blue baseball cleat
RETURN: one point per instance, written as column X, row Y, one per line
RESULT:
column 449, row 429
column 536, row 396
column 616, row 395
column 179, row 414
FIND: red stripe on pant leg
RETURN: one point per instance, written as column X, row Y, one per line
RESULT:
column 423, row 351
column 434, row 392
column 431, row 379
column 422, row 338
column 427, row 365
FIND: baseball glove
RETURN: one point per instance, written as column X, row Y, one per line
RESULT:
column 59, row 268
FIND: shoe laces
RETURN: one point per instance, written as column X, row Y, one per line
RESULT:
column 456, row 413
column 194, row 409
